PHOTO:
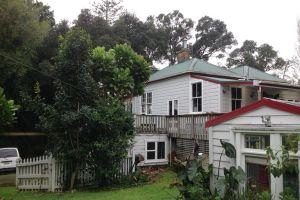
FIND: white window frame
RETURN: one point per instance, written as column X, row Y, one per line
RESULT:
column 148, row 105
column 156, row 149
column 173, row 106
column 192, row 98
column 236, row 99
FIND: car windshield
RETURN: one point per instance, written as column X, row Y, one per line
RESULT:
column 4, row 153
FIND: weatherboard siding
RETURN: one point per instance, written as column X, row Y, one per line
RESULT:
column 251, row 119
column 179, row 88
column 139, row 147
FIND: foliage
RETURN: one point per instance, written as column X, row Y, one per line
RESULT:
column 7, row 111
column 262, row 57
column 108, row 9
column 279, row 162
column 136, row 178
column 87, row 123
column 287, row 194
column 229, row 186
column 229, row 149
column 177, row 29
column 212, row 37
column 120, row 71
column 22, row 31
column 194, row 180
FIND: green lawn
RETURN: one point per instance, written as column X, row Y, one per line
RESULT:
column 7, row 179
column 158, row 190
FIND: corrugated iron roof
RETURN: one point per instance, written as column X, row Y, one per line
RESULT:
column 256, row 74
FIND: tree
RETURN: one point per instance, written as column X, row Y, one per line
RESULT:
column 7, row 111
column 100, row 31
column 212, row 37
column 108, row 9
column 120, row 71
column 262, row 57
column 21, row 33
column 143, row 37
column 87, row 123
column 176, row 30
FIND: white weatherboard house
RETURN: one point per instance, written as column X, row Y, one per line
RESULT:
column 246, row 129
column 179, row 99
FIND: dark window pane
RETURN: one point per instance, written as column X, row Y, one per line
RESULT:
column 150, row 145
column 175, row 107
column 144, row 98
column 149, row 97
column 233, row 93
column 194, row 90
column 161, row 150
column 238, row 104
column 195, row 105
column 239, row 93
column 150, row 155
column 170, row 107
column 233, row 105
column 199, row 105
column 199, row 90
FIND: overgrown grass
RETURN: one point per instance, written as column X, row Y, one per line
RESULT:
column 158, row 190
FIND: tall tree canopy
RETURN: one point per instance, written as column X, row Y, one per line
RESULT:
column 212, row 37
column 177, row 29
column 262, row 57
column 87, row 123
column 108, row 9
column 21, row 32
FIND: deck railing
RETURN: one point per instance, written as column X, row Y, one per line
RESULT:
column 183, row 126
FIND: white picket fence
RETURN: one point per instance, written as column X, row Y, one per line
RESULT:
column 45, row 173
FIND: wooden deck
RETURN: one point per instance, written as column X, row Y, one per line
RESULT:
column 182, row 126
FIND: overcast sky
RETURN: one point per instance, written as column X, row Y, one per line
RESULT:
column 265, row 21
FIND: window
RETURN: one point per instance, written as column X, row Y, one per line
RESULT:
column 155, row 150
column 257, row 141
column 147, row 103
column 173, row 107
column 170, row 107
column 197, row 97
column 150, row 150
column 236, row 98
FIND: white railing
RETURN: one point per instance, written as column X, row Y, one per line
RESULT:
column 45, row 173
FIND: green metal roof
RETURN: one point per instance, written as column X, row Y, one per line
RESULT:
column 192, row 65
column 199, row 66
column 256, row 74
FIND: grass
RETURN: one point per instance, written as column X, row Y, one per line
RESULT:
column 158, row 190
column 7, row 179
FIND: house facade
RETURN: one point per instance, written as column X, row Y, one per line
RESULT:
column 251, row 130
column 181, row 98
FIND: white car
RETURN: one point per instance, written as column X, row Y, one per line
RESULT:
column 8, row 159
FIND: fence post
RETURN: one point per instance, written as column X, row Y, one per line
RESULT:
column 53, row 172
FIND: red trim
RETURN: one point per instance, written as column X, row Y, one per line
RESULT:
column 264, row 102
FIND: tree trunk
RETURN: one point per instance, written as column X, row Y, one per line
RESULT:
column 73, row 176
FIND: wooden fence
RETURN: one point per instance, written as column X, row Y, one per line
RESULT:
column 45, row 173
column 181, row 126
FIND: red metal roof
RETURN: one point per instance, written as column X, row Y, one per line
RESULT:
column 290, row 107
